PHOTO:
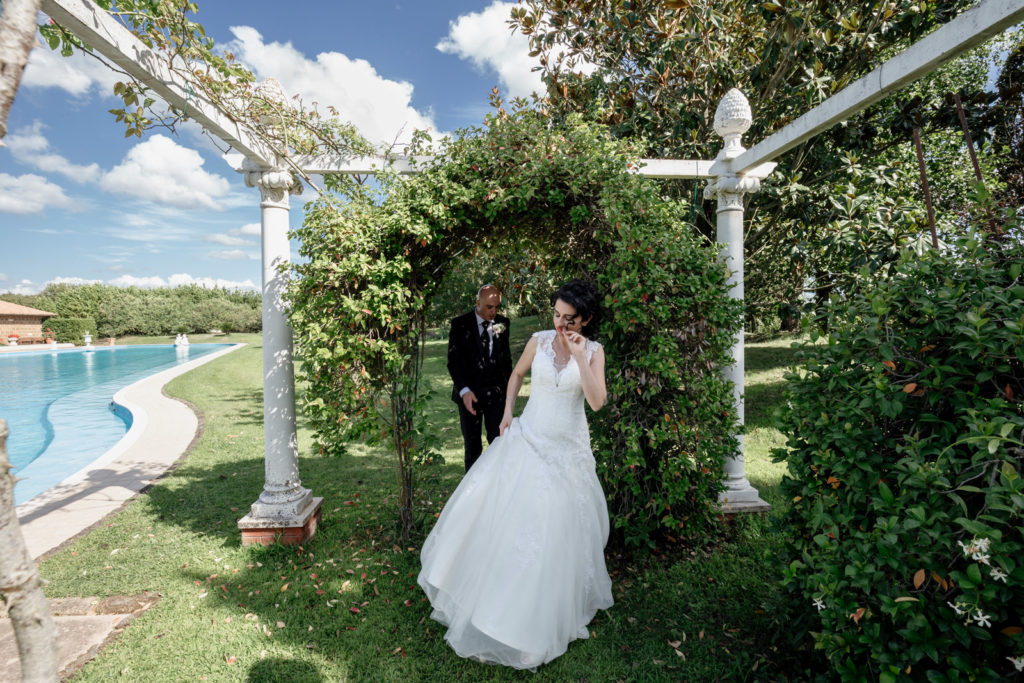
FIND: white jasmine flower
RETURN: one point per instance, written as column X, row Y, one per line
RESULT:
column 956, row 608
column 819, row 604
column 1018, row 662
column 983, row 619
column 977, row 549
column 998, row 574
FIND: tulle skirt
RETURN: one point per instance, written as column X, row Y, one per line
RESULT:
column 515, row 565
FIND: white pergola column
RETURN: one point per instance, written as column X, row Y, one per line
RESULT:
column 732, row 119
column 285, row 511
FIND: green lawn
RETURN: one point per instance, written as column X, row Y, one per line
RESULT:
column 346, row 606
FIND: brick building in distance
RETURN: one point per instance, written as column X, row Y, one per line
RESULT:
column 21, row 320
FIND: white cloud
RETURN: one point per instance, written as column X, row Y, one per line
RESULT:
column 486, row 40
column 150, row 231
column 248, row 229
column 52, row 231
column 380, row 108
column 29, row 193
column 161, row 170
column 185, row 279
column 29, row 146
column 73, row 281
column 3, row 277
column 78, row 74
column 152, row 282
column 178, row 280
column 226, row 240
column 230, row 255
column 25, row 287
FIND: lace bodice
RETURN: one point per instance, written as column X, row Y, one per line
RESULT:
column 554, row 416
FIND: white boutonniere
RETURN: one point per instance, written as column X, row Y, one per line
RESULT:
column 497, row 329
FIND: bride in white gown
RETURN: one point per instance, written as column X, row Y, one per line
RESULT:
column 515, row 565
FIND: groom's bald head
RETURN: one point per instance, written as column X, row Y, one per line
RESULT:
column 488, row 300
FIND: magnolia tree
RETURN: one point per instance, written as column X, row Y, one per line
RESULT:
column 655, row 70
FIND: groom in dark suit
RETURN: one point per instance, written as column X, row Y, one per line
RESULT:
column 480, row 363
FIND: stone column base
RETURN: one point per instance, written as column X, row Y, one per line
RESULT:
column 732, row 508
column 292, row 531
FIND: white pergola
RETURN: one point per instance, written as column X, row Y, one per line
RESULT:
column 736, row 172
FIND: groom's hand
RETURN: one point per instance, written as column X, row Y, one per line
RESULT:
column 468, row 399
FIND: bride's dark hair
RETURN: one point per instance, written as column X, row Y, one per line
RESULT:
column 584, row 297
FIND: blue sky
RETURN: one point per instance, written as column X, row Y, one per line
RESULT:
column 81, row 203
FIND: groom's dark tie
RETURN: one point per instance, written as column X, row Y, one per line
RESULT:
column 485, row 338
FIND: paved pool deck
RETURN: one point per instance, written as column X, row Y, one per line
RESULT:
column 163, row 430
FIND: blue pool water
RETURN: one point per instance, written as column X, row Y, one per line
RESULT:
column 58, row 406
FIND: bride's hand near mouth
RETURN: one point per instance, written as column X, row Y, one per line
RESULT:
column 577, row 342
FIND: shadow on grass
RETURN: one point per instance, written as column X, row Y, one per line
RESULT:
column 765, row 388
column 764, row 357
column 285, row 671
column 760, row 402
column 209, row 500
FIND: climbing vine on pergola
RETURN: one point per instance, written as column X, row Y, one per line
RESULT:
column 372, row 263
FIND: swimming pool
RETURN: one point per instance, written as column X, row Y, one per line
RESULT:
column 58, row 406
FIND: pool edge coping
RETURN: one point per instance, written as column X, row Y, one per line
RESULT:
column 45, row 536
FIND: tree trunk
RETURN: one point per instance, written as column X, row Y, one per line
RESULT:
column 34, row 628
column 17, row 38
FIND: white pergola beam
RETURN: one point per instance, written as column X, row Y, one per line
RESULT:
column 951, row 40
column 105, row 35
column 672, row 168
column 325, row 165
column 369, row 165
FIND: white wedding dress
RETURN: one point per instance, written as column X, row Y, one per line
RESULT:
column 515, row 565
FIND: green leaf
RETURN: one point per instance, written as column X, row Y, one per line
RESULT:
column 886, row 493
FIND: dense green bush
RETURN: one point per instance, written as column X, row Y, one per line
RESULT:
column 120, row 311
column 71, row 329
column 905, row 557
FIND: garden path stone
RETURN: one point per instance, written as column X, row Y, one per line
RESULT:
column 78, row 640
column 84, row 625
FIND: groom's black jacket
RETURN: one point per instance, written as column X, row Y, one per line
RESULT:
column 469, row 366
